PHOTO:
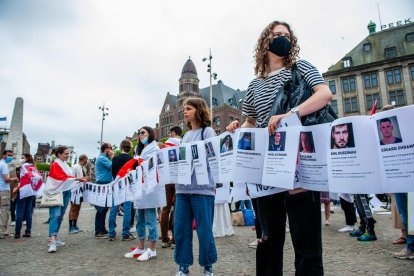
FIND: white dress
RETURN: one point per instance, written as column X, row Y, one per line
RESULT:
column 222, row 224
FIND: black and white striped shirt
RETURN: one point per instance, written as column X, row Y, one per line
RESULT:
column 261, row 92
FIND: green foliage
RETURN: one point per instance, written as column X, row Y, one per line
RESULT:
column 43, row 166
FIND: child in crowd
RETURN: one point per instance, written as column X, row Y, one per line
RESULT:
column 195, row 201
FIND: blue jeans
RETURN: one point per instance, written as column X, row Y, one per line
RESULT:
column 100, row 218
column 126, row 221
column 147, row 218
column 245, row 204
column 56, row 214
column 402, row 205
column 188, row 208
column 24, row 207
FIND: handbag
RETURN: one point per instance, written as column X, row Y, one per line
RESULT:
column 51, row 200
column 294, row 92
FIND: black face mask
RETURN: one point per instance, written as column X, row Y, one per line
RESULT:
column 280, row 46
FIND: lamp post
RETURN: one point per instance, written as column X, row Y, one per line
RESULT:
column 104, row 114
column 212, row 75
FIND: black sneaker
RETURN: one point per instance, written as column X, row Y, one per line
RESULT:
column 100, row 236
column 128, row 238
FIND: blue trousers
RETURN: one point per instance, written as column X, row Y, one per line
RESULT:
column 126, row 219
column 402, row 205
column 56, row 214
column 24, row 207
column 200, row 208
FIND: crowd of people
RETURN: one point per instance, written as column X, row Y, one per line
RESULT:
column 182, row 208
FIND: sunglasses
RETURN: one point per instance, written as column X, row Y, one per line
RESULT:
column 142, row 132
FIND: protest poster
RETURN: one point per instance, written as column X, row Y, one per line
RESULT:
column 150, row 173
column 312, row 170
column 184, row 164
column 212, row 146
column 199, row 157
column 222, row 193
column 259, row 190
column 173, row 163
column 239, row 192
column 163, row 167
column 227, row 147
column 121, row 191
column 281, row 153
column 410, row 198
column 395, row 146
column 101, row 196
column 249, row 156
column 109, row 193
column 353, row 163
column 139, row 183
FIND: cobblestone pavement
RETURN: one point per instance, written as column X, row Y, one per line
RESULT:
column 85, row 255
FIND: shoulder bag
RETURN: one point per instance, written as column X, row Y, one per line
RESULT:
column 294, row 92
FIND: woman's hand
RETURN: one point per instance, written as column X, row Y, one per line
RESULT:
column 274, row 122
column 233, row 126
column 81, row 179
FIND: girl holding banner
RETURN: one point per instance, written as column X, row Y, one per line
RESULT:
column 60, row 180
column 276, row 52
column 195, row 201
column 151, row 199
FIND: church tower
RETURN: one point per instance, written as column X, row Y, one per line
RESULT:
column 188, row 83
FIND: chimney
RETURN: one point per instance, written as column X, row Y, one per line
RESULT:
column 371, row 27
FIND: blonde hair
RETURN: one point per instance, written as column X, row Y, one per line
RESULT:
column 262, row 48
column 202, row 116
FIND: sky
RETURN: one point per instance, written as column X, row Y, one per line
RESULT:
column 67, row 58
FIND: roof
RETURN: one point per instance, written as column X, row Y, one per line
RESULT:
column 173, row 99
column 222, row 94
column 189, row 70
column 379, row 41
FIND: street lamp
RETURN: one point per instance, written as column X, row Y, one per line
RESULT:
column 212, row 75
column 104, row 114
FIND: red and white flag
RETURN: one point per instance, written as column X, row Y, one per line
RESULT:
column 171, row 142
column 31, row 181
column 60, row 178
column 374, row 108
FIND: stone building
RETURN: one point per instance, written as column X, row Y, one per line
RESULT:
column 226, row 101
column 380, row 67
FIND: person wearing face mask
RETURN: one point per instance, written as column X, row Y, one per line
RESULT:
column 30, row 186
column 103, row 174
column 276, row 52
column 6, row 158
column 150, row 201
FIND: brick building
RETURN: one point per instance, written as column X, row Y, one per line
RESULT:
column 227, row 102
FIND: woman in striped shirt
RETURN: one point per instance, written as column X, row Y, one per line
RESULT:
column 276, row 52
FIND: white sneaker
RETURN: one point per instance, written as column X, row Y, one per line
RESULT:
column 180, row 273
column 133, row 230
column 134, row 252
column 347, row 228
column 52, row 247
column 13, row 223
column 147, row 255
column 58, row 242
column 254, row 244
column 24, row 222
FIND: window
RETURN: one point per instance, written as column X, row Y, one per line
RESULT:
column 218, row 131
column 370, row 99
column 347, row 62
column 394, row 76
column 351, row 105
column 390, row 52
column 370, row 80
column 367, row 47
column 217, row 121
column 231, row 118
column 167, row 108
column 412, row 72
column 409, row 37
column 215, row 102
column 396, row 97
column 348, row 84
column 334, row 105
column 332, row 86
column 39, row 159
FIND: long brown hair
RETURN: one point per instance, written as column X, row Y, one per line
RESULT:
column 202, row 116
column 262, row 48
column 29, row 158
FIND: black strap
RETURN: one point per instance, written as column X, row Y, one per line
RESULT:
column 202, row 133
